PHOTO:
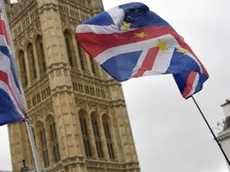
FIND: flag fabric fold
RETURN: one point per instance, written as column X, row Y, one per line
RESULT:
column 130, row 41
column 12, row 107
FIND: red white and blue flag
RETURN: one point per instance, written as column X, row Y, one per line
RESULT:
column 131, row 41
column 12, row 107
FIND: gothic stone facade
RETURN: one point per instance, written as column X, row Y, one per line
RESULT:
column 79, row 116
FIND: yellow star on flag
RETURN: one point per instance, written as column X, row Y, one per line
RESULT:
column 126, row 25
column 182, row 50
column 140, row 34
column 129, row 17
column 162, row 45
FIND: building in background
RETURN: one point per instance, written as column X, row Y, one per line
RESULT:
column 79, row 116
column 224, row 135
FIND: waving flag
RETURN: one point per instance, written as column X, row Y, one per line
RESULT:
column 11, row 99
column 131, row 41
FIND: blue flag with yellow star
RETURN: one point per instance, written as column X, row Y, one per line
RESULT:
column 131, row 41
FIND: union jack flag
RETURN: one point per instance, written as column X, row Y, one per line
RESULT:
column 131, row 41
column 12, row 107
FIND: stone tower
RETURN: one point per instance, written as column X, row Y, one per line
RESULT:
column 79, row 117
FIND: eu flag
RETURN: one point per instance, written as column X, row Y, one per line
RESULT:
column 131, row 41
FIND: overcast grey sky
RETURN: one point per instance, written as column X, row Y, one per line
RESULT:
column 169, row 132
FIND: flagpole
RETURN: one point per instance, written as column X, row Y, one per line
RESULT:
column 33, row 146
column 214, row 136
column 27, row 120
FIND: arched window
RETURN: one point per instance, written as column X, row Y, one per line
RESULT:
column 82, row 59
column 97, row 135
column 31, row 59
column 94, row 66
column 70, row 49
column 105, row 120
column 53, row 139
column 43, row 141
column 41, row 55
column 85, row 134
column 22, row 67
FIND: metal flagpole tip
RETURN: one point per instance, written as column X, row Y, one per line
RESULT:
column 27, row 118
